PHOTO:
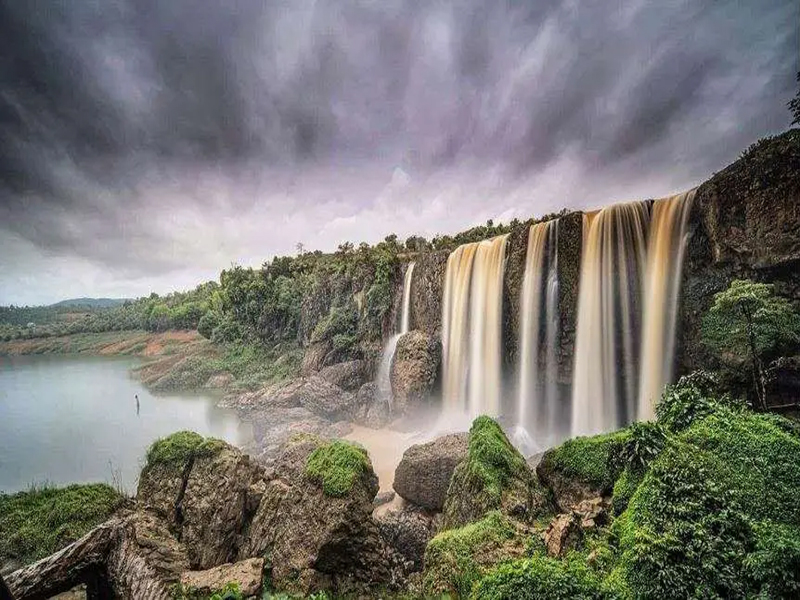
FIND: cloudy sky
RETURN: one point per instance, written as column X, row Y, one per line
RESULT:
column 147, row 144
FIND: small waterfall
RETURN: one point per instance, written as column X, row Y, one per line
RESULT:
column 472, row 310
column 537, row 397
column 606, row 349
column 384, row 379
column 665, row 252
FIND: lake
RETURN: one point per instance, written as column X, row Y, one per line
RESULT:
column 74, row 419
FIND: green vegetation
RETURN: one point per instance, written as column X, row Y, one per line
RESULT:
column 538, row 578
column 36, row 523
column 177, row 449
column 336, row 465
column 457, row 558
column 590, row 460
column 491, row 459
column 749, row 324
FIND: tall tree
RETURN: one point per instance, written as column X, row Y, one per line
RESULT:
column 749, row 322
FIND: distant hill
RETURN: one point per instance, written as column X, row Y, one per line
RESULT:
column 89, row 303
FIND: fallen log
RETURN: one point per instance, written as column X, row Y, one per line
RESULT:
column 133, row 556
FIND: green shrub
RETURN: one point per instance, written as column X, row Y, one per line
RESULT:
column 336, row 465
column 694, row 397
column 229, row 592
column 539, row 578
column 208, row 323
column 714, row 505
column 457, row 558
column 38, row 522
column 644, row 443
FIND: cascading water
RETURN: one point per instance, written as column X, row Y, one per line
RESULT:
column 627, row 310
column 472, row 311
column 665, row 252
column 537, row 397
column 612, row 270
column 384, row 380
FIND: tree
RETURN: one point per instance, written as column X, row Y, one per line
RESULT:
column 794, row 104
column 748, row 322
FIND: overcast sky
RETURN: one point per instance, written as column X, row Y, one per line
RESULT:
column 146, row 144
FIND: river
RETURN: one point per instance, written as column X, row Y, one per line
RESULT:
column 74, row 419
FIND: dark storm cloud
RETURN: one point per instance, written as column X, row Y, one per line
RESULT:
column 131, row 129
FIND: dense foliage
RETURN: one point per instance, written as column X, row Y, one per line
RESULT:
column 38, row 522
column 748, row 324
column 177, row 449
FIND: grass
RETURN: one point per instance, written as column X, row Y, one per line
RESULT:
column 175, row 450
column 336, row 465
column 38, row 522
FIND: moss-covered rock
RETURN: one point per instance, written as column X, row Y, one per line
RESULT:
column 336, row 465
column 494, row 475
column 583, row 467
column 457, row 558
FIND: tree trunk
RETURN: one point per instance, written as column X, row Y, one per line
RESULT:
column 130, row 557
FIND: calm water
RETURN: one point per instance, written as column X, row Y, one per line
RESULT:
column 74, row 419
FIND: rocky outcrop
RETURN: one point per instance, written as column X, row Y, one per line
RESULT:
column 247, row 574
column 414, row 369
column 424, row 473
column 317, row 541
column 493, row 476
column 349, row 376
column 426, row 291
column 563, row 534
column 744, row 224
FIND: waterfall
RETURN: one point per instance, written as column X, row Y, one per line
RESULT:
column 665, row 252
column 627, row 310
column 472, row 311
column 606, row 349
column 384, row 379
column 537, row 397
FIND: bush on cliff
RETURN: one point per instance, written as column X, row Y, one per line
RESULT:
column 36, row 523
column 336, row 465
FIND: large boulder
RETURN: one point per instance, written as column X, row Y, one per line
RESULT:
column 313, row 393
column 314, row 520
column 414, row 369
column 203, row 491
column 407, row 529
column 493, row 476
column 221, row 495
column 424, row 473
column 349, row 375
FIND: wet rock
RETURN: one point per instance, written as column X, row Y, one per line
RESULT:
column 314, row 357
column 424, row 473
column 414, row 369
column 563, row 534
column 349, row 376
column 247, row 574
column 383, row 498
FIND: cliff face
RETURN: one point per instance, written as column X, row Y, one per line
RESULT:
column 745, row 223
